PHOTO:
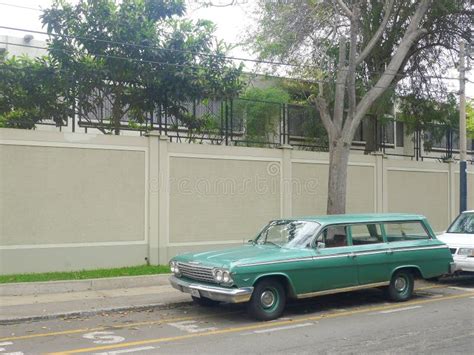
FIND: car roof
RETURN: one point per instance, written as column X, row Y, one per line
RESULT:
column 359, row 218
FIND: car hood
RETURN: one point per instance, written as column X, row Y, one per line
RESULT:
column 242, row 255
column 457, row 239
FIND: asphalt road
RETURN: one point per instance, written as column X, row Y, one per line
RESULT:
column 438, row 320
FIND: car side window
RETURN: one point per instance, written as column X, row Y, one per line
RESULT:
column 333, row 236
column 397, row 232
column 366, row 234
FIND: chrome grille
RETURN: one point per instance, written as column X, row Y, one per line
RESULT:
column 197, row 272
column 453, row 250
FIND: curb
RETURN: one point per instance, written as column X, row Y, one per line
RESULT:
column 48, row 287
column 75, row 314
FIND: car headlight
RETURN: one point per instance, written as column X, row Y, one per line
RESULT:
column 222, row 276
column 174, row 268
column 218, row 275
column 226, row 277
column 469, row 252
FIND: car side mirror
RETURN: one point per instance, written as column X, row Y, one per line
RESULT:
column 321, row 245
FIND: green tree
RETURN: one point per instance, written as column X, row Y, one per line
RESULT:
column 138, row 56
column 357, row 50
column 430, row 116
column 470, row 118
column 260, row 110
column 31, row 91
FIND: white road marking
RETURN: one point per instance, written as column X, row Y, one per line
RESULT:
column 143, row 348
column 4, row 344
column 399, row 309
column 472, row 297
column 190, row 326
column 282, row 328
column 104, row 337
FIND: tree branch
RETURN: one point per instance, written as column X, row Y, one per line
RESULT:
column 351, row 75
column 375, row 38
column 340, row 86
column 412, row 33
column 344, row 7
column 322, row 107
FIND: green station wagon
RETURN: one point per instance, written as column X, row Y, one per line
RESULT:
column 311, row 256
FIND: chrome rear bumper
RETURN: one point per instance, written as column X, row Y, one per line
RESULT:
column 230, row 295
column 452, row 268
column 462, row 264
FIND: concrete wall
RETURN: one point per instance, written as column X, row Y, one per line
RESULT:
column 70, row 202
column 75, row 201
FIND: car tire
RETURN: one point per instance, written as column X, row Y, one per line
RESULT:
column 401, row 286
column 268, row 300
column 204, row 302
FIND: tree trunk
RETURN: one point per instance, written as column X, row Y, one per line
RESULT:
column 337, row 180
column 116, row 117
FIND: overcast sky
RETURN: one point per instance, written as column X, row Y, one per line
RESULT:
column 231, row 21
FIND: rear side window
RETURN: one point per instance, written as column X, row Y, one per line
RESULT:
column 397, row 232
column 366, row 234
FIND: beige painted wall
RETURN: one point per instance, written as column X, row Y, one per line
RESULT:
column 470, row 190
column 75, row 201
column 57, row 195
column 221, row 199
column 69, row 202
column 310, row 188
column 420, row 192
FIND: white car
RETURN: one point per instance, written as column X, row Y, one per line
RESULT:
column 460, row 239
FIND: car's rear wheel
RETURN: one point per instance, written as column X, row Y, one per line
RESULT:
column 268, row 300
column 401, row 286
column 205, row 302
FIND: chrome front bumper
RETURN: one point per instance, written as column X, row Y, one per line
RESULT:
column 229, row 295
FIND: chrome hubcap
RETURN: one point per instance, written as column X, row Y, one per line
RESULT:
column 267, row 299
column 400, row 284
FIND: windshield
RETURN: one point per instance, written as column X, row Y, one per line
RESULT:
column 463, row 224
column 288, row 234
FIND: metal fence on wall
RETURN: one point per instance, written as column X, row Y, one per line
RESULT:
column 253, row 123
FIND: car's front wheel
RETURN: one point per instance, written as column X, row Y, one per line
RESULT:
column 401, row 286
column 268, row 300
column 205, row 302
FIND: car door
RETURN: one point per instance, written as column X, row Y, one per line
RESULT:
column 333, row 264
column 371, row 253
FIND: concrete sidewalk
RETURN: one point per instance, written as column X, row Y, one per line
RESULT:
column 45, row 300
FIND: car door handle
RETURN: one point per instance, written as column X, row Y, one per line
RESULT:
column 351, row 255
column 389, row 251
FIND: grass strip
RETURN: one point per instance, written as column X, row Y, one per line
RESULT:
column 87, row 274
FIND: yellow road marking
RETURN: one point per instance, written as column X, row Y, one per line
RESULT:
column 83, row 330
column 259, row 325
column 429, row 287
column 120, row 326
